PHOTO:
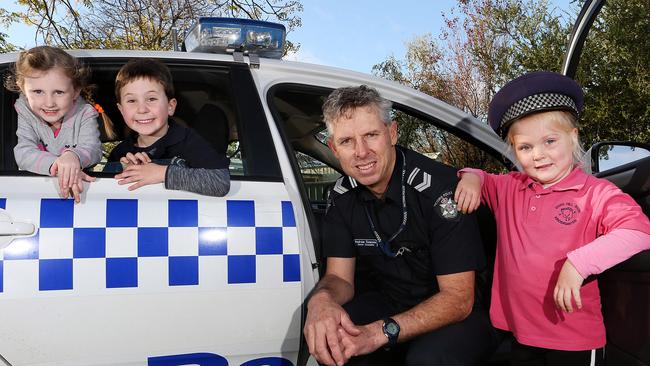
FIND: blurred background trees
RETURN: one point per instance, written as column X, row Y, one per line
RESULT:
column 483, row 44
column 615, row 73
column 486, row 43
column 137, row 24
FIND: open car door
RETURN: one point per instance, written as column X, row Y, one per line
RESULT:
column 625, row 289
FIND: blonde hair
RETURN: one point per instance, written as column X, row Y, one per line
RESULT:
column 45, row 58
column 567, row 122
column 42, row 59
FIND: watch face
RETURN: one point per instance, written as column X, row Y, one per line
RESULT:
column 392, row 328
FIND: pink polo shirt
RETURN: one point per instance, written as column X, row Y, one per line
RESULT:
column 536, row 228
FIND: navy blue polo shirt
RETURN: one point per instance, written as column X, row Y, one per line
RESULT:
column 178, row 142
column 440, row 240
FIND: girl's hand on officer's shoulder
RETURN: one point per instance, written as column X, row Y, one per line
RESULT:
column 568, row 287
column 468, row 193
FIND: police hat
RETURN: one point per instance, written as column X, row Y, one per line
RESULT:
column 534, row 92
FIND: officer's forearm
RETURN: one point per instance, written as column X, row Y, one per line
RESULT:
column 332, row 288
column 452, row 304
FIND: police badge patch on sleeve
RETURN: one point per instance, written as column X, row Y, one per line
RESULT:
column 445, row 206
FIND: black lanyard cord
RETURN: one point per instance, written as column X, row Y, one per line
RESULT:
column 385, row 245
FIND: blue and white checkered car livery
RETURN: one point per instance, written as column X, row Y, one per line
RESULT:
column 141, row 244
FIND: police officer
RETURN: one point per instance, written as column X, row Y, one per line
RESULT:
column 399, row 283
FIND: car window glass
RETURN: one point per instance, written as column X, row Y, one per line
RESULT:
column 423, row 136
column 205, row 103
column 298, row 109
column 613, row 155
column 317, row 176
column 8, row 124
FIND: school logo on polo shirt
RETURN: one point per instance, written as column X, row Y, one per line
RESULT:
column 446, row 206
column 567, row 213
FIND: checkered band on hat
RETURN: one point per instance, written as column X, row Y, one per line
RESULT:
column 538, row 102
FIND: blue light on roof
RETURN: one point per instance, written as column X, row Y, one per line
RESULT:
column 227, row 35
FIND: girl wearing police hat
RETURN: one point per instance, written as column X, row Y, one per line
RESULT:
column 556, row 225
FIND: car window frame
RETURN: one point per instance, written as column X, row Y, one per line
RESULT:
column 259, row 156
column 438, row 123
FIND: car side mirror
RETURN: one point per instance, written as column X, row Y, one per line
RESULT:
column 610, row 155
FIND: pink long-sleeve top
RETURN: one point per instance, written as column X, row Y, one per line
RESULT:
column 585, row 218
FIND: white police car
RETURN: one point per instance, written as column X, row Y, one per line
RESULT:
column 159, row 277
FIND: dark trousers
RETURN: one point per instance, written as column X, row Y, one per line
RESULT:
column 469, row 342
column 523, row 355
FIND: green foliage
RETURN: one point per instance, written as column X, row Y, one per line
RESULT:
column 509, row 38
column 6, row 18
column 615, row 73
column 4, row 45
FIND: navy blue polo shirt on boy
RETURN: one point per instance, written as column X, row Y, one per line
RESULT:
column 179, row 142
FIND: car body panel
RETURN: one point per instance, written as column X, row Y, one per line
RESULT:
column 100, row 280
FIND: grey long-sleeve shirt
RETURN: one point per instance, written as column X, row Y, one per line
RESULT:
column 37, row 148
column 209, row 182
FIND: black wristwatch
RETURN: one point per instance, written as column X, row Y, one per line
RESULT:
column 391, row 331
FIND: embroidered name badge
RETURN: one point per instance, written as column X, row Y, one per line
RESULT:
column 445, row 206
column 366, row 243
column 567, row 213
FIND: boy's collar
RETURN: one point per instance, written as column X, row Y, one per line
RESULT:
column 173, row 135
column 174, row 132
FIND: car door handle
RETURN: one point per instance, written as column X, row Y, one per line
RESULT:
column 16, row 228
column 10, row 228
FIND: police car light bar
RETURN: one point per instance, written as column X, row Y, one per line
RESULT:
column 227, row 35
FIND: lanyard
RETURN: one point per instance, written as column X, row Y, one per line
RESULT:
column 385, row 245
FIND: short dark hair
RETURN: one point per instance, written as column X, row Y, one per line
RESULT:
column 144, row 68
column 343, row 101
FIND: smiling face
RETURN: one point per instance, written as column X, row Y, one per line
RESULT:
column 146, row 109
column 50, row 95
column 544, row 144
column 365, row 146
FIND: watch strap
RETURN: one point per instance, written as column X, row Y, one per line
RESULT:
column 391, row 330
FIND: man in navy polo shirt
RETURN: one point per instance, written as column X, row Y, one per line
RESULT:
column 401, row 259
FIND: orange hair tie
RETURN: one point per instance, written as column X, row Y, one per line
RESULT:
column 99, row 108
